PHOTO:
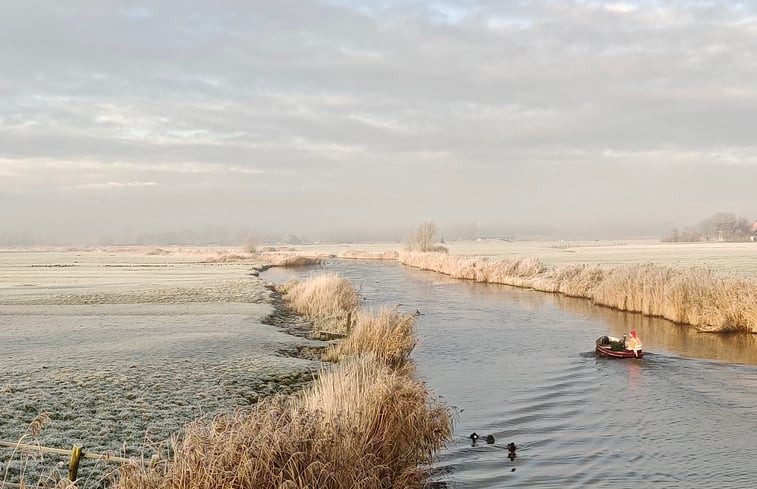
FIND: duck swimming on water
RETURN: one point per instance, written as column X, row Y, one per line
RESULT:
column 475, row 437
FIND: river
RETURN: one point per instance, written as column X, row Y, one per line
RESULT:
column 519, row 365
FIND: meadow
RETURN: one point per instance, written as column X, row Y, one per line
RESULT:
column 122, row 347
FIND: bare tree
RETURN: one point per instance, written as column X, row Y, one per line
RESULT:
column 725, row 227
column 422, row 239
column 424, row 236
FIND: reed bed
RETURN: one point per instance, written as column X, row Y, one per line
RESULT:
column 283, row 259
column 369, row 255
column 360, row 425
column 388, row 334
column 363, row 423
column 229, row 258
column 327, row 300
column 695, row 296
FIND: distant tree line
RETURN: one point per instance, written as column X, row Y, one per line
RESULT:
column 722, row 226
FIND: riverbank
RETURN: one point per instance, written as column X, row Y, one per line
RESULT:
column 695, row 296
column 364, row 422
column 710, row 299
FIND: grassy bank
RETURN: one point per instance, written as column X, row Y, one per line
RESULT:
column 364, row 423
column 695, row 296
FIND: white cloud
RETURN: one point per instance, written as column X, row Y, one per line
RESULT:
column 110, row 185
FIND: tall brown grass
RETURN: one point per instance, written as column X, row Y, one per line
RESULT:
column 361, row 425
column 281, row 259
column 369, row 255
column 327, row 300
column 695, row 296
column 388, row 334
column 364, row 423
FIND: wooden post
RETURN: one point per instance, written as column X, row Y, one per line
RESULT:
column 73, row 466
column 349, row 322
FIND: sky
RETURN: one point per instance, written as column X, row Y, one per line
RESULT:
column 338, row 119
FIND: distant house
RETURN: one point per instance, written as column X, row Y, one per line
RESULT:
column 753, row 237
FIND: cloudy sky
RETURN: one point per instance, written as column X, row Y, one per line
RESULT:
column 331, row 117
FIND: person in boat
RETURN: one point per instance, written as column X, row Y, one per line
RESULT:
column 633, row 343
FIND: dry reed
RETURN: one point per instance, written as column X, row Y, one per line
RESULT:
column 695, row 296
column 327, row 300
column 361, row 425
column 364, row 423
column 387, row 334
column 280, row 259
column 369, row 255
column 228, row 258
column 32, row 433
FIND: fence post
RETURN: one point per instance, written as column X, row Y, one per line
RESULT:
column 73, row 466
column 349, row 322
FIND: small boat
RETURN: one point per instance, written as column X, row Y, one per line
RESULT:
column 613, row 347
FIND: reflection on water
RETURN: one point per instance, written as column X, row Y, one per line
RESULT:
column 519, row 365
column 660, row 335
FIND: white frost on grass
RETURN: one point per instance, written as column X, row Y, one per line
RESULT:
column 121, row 356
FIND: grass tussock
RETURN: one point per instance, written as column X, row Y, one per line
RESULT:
column 228, row 258
column 361, row 425
column 695, row 296
column 327, row 300
column 388, row 334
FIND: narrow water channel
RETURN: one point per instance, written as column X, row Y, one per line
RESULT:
column 519, row 365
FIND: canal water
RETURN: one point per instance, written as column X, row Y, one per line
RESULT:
column 519, row 365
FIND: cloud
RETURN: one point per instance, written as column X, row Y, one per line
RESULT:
column 112, row 185
column 266, row 101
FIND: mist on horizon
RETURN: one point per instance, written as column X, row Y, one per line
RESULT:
column 338, row 121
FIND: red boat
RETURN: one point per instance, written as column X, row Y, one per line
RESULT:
column 614, row 347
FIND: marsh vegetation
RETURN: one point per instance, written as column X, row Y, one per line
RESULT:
column 363, row 423
column 695, row 296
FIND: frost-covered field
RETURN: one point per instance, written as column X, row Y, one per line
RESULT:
column 739, row 258
column 120, row 348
